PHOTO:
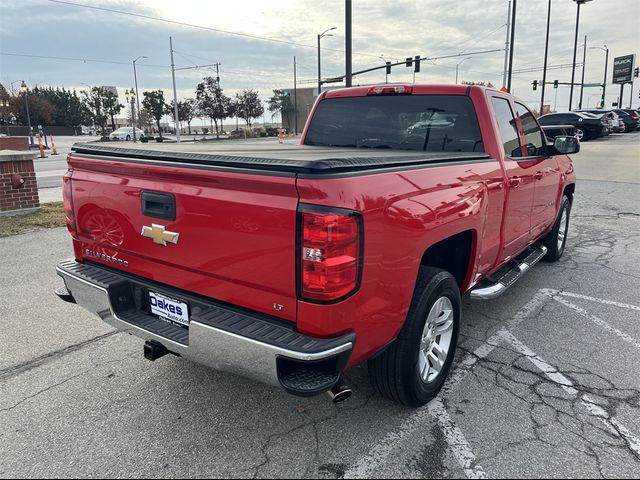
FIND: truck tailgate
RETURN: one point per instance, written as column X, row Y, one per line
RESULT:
column 236, row 239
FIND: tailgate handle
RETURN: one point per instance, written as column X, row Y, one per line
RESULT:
column 159, row 205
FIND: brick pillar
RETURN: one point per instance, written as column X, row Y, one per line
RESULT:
column 14, row 143
column 18, row 186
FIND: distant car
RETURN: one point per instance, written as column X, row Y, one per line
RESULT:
column 616, row 125
column 126, row 133
column 630, row 118
column 586, row 126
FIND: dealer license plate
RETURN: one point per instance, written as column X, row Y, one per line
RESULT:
column 169, row 309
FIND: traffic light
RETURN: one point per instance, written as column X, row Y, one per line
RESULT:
column 416, row 68
column 388, row 68
column 555, row 84
column 535, row 84
column 636, row 71
column 409, row 61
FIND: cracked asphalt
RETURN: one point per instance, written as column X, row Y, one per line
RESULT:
column 545, row 384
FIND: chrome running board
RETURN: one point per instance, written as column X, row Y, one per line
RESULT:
column 488, row 291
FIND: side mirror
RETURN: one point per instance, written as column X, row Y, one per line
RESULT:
column 566, row 145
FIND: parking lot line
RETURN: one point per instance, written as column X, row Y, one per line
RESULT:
column 377, row 455
column 599, row 300
column 553, row 374
column 457, row 442
column 598, row 321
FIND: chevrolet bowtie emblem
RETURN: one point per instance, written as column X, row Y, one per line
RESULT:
column 159, row 235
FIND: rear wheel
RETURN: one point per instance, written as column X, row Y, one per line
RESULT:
column 581, row 134
column 413, row 369
column 556, row 239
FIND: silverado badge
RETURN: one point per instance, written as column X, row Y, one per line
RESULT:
column 159, row 235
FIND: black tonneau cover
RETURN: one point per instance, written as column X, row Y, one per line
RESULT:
column 289, row 158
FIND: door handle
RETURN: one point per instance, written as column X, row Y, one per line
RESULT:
column 515, row 182
column 539, row 175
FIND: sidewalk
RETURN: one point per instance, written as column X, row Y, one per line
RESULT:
column 49, row 195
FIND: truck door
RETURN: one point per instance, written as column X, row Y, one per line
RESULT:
column 520, row 172
column 546, row 173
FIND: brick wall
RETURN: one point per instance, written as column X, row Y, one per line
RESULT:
column 14, row 143
column 16, row 195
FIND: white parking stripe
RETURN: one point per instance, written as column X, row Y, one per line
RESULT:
column 599, row 300
column 597, row 320
column 612, row 423
column 457, row 442
column 378, row 454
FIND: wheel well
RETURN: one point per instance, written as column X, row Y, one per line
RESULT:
column 452, row 254
column 568, row 191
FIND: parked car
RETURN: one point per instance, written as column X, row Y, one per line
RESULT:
column 586, row 126
column 616, row 125
column 289, row 264
column 126, row 133
column 631, row 118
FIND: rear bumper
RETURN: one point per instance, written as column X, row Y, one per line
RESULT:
column 222, row 337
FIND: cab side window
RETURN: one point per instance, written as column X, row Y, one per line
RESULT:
column 508, row 127
column 535, row 143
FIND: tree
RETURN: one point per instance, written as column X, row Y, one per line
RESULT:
column 249, row 105
column 68, row 108
column 186, row 111
column 111, row 106
column 281, row 103
column 154, row 103
column 95, row 101
column 212, row 102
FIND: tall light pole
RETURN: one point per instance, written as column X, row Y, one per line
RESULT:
column 24, row 90
column 512, row 43
column 135, row 79
column 575, row 52
column 347, row 40
column 584, row 64
column 176, row 119
column 457, row 65
column 546, row 57
column 130, row 95
column 506, row 48
column 322, row 35
column 604, row 80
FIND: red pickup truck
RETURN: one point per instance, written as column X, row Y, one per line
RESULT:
column 288, row 264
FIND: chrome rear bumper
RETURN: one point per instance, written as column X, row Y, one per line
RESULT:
column 221, row 337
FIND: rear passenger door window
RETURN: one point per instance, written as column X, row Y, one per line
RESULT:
column 534, row 139
column 508, row 127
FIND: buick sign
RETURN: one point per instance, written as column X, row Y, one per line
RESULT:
column 623, row 69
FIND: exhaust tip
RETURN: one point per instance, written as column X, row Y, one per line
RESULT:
column 340, row 392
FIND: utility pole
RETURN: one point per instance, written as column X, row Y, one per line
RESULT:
column 176, row 120
column 512, row 43
column 584, row 64
column 546, row 56
column 347, row 21
column 621, row 94
column 295, row 96
column 575, row 52
column 506, row 48
column 604, row 82
column 135, row 79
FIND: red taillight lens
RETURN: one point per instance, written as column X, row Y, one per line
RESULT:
column 330, row 249
column 390, row 90
column 67, row 198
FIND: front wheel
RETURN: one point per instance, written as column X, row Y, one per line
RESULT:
column 413, row 369
column 556, row 239
column 581, row 134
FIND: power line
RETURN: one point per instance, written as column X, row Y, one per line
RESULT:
column 192, row 25
column 84, row 60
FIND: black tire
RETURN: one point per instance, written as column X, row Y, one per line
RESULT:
column 582, row 137
column 395, row 372
column 555, row 248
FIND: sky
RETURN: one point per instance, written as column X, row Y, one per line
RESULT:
column 93, row 47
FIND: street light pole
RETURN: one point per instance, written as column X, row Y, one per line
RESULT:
column 130, row 95
column 584, row 64
column 135, row 79
column 506, row 47
column 458, row 64
column 176, row 119
column 546, row 56
column 575, row 52
column 320, row 36
column 512, row 43
column 25, row 91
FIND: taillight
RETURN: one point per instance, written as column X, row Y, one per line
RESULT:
column 390, row 90
column 67, row 198
column 330, row 249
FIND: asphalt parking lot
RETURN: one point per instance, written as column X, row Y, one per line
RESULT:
column 545, row 383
